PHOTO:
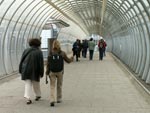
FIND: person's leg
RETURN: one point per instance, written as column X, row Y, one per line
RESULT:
column 27, row 92
column 59, row 86
column 85, row 52
column 92, row 53
column 52, row 87
column 77, row 56
column 37, row 90
column 101, row 54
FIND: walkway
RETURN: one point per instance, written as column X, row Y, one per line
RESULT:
column 89, row 87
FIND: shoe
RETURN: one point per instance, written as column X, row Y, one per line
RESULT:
column 37, row 98
column 52, row 104
column 59, row 101
column 29, row 101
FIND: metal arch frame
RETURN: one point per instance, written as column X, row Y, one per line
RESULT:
column 146, row 74
column 119, row 15
column 58, row 9
column 27, row 24
column 131, row 61
column 3, row 61
column 19, row 31
column 46, row 17
column 73, row 8
column 6, row 11
column 7, row 28
column 29, row 21
column 134, row 10
column 148, row 15
column 39, row 21
column 143, row 46
column 23, row 22
column 38, row 11
column 17, row 21
column 127, row 24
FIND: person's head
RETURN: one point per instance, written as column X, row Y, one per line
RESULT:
column 91, row 39
column 34, row 42
column 56, row 45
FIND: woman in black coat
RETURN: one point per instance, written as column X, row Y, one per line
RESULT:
column 31, row 68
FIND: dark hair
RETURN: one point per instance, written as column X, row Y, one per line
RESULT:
column 91, row 39
column 34, row 42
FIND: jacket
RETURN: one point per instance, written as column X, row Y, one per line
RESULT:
column 32, row 64
column 91, row 45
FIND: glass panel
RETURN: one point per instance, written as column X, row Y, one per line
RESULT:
column 131, row 2
column 136, row 9
column 125, row 7
column 22, row 8
column 12, row 9
column 133, row 13
column 127, row 3
column 4, row 6
column 2, row 70
column 140, row 6
column 146, row 3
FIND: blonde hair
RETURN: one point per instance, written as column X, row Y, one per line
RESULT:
column 56, row 45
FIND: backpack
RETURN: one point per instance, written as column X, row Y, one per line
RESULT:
column 56, row 62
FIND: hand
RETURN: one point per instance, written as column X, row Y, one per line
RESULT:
column 71, row 58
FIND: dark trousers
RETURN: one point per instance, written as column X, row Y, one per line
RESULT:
column 101, row 53
column 91, row 52
column 84, row 53
column 75, row 53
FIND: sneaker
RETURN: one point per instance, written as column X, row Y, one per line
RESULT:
column 59, row 101
column 29, row 101
column 37, row 98
column 52, row 104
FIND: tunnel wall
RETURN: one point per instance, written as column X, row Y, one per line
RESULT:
column 131, row 43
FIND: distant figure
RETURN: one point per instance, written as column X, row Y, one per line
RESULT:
column 55, row 70
column 91, row 45
column 105, row 45
column 76, row 50
column 101, row 49
column 84, row 48
column 31, row 68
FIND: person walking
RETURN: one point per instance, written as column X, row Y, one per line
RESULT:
column 101, row 49
column 75, row 49
column 105, row 45
column 91, row 46
column 55, row 70
column 31, row 68
column 84, row 48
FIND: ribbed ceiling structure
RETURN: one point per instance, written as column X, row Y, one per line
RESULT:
column 100, row 16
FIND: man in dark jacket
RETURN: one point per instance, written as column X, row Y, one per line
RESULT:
column 31, row 68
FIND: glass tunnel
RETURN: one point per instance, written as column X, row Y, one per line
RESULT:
column 124, row 24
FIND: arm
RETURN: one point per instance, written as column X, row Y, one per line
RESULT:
column 66, row 58
column 47, row 66
column 41, row 65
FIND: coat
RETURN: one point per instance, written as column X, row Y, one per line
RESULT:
column 32, row 64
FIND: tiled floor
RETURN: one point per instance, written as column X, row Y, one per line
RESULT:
column 88, row 87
